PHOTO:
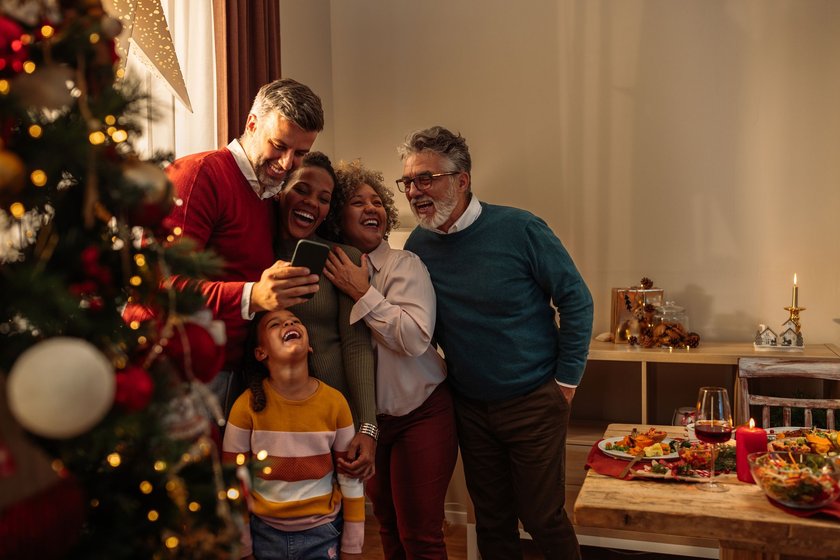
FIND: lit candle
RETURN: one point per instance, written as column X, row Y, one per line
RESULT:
column 748, row 439
column 794, row 298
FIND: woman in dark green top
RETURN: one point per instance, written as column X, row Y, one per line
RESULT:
column 343, row 355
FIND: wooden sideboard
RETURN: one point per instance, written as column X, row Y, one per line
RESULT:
column 708, row 353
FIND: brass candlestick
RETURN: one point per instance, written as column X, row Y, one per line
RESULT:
column 794, row 316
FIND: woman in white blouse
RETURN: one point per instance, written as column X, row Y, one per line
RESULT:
column 417, row 446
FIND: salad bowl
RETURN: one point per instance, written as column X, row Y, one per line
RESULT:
column 797, row 480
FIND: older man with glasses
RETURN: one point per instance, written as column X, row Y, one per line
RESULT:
column 501, row 276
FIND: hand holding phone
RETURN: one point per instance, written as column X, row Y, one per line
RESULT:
column 312, row 255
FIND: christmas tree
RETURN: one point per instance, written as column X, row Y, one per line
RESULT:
column 107, row 445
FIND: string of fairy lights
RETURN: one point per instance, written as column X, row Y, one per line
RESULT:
column 97, row 137
column 161, row 474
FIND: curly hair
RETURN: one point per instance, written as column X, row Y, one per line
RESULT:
column 321, row 160
column 351, row 175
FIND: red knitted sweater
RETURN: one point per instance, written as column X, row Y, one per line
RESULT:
column 221, row 212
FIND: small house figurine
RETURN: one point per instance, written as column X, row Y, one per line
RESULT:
column 791, row 336
column 790, row 339
column 765, row 336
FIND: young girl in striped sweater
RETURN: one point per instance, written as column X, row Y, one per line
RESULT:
column 294, row 427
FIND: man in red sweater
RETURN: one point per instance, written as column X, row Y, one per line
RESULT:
column 225, row 202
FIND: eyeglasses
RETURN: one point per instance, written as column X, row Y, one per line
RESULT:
column 422, row 180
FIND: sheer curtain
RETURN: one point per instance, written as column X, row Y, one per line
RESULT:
column 169, row 126
column 227, row 50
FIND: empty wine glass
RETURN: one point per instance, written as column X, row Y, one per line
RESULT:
column 713, row 425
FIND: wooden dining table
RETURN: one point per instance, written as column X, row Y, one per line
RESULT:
column 745, row 523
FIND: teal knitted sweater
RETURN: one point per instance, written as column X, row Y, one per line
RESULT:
column 497, row 283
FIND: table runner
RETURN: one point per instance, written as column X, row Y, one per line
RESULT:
column 603, row 464
column 831, row 510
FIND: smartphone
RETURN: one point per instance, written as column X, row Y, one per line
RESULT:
column 312, row 255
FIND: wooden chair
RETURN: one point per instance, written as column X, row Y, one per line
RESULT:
column 784, row 368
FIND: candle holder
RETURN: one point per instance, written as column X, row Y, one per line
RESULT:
column 790, row 338
column 794, row 316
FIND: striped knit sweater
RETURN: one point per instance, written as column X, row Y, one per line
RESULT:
column 296, row 487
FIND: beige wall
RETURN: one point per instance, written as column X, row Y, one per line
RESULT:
column 693, row 141
column 306, row 56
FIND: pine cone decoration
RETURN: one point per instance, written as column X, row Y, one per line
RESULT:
column 692, row 340
column 646, row 283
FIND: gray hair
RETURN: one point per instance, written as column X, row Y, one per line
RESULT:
column 452, row 147
column 294, row 101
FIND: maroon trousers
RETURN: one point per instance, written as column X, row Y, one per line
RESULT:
column 415, row 458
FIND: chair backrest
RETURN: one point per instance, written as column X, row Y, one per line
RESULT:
column 784, row 368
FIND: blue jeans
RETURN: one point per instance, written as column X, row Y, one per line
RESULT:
column 319, row 543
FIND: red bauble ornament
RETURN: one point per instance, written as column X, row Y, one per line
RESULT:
column 142, row 313
column 134, row 388
column 80, row 289
column 13, row 51
column 44, row 525
column 200, row 352
column 89, row 258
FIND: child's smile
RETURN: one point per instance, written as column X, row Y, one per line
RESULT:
column 280, row 332
column 292, row 333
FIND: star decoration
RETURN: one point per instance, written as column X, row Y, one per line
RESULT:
column 144, row 26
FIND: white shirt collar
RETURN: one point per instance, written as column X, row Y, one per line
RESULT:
column 468, row 218
column 378, row 256
column 247, row 170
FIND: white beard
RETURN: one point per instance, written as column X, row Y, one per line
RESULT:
column 443, row 210
column 266, row 181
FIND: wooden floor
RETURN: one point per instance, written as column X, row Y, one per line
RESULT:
column 456, row 543
column 456, row 547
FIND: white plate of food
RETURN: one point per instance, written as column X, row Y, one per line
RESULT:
column 614, row 448
column 806, row 441
column 782, row 431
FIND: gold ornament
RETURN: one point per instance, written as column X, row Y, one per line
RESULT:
column 12, row 176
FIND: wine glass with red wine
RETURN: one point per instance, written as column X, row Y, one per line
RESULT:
column 713, row 425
